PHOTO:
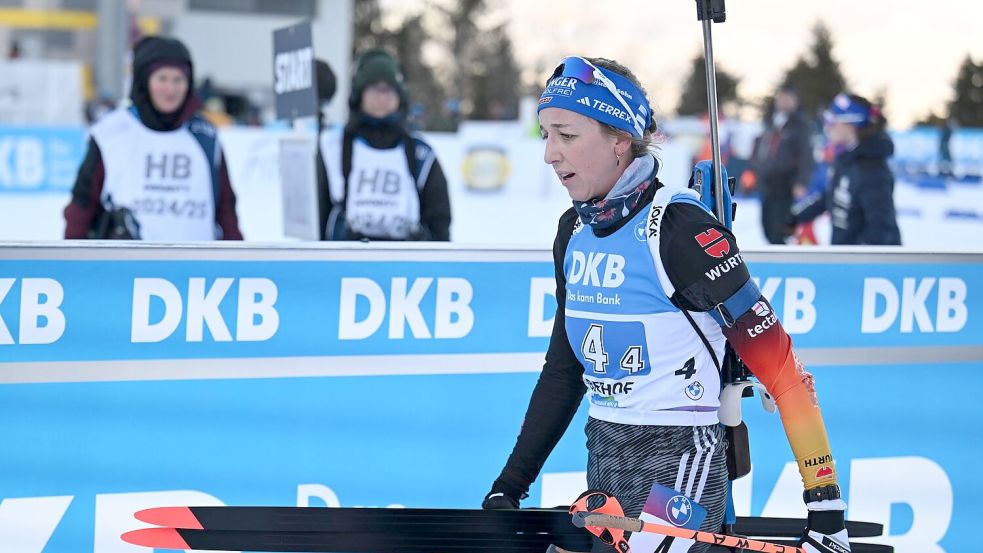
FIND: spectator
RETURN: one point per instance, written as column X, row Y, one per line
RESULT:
column 782, row 161
column 945, row 151
column 859, row 196
column 154, row 170
column 382, row 183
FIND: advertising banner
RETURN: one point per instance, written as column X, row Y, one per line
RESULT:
column 39, row 159
column 135, row 376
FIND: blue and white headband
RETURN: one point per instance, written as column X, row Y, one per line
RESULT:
column 578, row 85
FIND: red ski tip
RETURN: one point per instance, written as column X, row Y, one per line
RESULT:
column 170, row 517
column 158, row 538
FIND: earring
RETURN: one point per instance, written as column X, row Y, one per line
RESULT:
column 619, row 158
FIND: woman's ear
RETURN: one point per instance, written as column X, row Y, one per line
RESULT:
column 622, row 145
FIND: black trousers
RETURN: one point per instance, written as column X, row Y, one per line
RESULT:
column 775, row 211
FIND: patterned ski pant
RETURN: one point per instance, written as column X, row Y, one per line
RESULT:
column 625, row 460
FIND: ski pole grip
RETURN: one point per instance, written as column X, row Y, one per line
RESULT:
column 712, row 10
column 584, row 518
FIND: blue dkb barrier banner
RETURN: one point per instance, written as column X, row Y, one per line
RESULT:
column 133, row 377
column 40, row 159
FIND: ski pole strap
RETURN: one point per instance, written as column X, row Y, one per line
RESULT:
column 737, row 304
column 613, row 536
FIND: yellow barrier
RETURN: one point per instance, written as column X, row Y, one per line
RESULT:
column 64, row 20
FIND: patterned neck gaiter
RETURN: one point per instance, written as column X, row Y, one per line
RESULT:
column 623, row 198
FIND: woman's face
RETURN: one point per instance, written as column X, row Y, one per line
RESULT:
column 168, row 87
column 584, row 157
column 380, row 100
column 841, row 134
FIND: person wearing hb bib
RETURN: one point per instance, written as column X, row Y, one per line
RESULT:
column 155, row 170
column 649, row 287
column 378, row 182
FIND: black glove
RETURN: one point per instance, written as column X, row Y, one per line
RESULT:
column 825, row 530
column 503, row 496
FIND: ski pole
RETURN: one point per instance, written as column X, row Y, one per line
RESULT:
column 585, row 518
column 708, row 11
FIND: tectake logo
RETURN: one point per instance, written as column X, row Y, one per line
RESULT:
column 762, row 310
column 712, row 242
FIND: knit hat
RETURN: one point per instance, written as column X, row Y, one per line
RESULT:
column 150, row 54
column 375, row 66
column 154, row 52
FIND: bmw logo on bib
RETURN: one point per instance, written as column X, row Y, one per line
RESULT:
column 694, row 391
column 679, row 510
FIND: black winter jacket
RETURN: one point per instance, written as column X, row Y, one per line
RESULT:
column 783, row 156
column 859, row 196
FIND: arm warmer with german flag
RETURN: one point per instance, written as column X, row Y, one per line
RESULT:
column 706, row 268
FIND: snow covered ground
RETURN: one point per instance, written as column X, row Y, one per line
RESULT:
column 934, row 214
column 930, row 219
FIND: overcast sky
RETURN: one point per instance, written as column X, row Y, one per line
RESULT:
column 912, row 49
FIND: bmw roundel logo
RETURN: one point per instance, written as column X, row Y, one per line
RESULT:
column 694, row 391
column 679, row 510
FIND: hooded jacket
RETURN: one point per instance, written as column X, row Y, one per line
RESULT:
column 859, row 196
column 383, row 134
column 149, row 54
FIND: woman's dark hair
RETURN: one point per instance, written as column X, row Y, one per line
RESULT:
column 876, row 122
column 650, row 138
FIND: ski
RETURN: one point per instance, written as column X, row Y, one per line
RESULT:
column 361, row 520
column 351, row 542
column 228, row 540
column 325, row 519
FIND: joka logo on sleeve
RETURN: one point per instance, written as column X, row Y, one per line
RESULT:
column 712, row 242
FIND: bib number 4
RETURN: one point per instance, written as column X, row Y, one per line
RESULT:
column 592, row 349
